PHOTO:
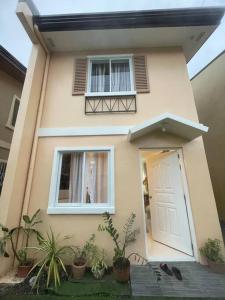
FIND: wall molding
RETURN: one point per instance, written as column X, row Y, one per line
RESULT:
column 4, row 145
column 83, row 131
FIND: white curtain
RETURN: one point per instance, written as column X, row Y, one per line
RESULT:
column 120, row 77
column 98, row 77
column 96, row 177
column 75, row 190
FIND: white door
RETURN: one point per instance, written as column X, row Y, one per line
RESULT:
column 169, row 219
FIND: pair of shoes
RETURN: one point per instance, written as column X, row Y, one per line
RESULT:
column 174, row 271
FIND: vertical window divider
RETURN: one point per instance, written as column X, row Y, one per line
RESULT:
column 83, row 174
column 110, row 85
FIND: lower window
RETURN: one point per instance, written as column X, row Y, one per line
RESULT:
column 82, row 181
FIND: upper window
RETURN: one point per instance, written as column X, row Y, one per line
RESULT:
column 13, row 113
column 82, row 181
column 110, row 75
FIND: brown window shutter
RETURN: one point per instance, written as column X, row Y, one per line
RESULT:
column 80, row 74
column 141, row 76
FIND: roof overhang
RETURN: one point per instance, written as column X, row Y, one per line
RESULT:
column 10, row 65
column 168, row 123
column 188, row 28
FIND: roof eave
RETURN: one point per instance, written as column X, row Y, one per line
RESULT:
column 210, row 16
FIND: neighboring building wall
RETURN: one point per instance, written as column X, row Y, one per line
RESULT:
column 9, row 87
column 209, row 92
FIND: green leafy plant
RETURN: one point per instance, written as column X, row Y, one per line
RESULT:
column 129, row 234
column 85, row 254
column 9, row 236
column 98, row 264
column 212, row 250
column 52, row 259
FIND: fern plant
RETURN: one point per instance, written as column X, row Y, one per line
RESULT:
column 129, row 234
column 212, row 250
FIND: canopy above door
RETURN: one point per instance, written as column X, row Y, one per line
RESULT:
column 168, row 123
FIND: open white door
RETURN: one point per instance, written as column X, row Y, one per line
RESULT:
column 169, row 219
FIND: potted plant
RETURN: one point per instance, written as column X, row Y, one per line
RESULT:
column 25, row 263
column 51, row 261
column 212, row 251
column 99, row 265
column 121, row 262
column 83, row 255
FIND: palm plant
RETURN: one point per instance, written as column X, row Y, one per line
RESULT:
column 52, row 259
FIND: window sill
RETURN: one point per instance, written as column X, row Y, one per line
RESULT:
column 9, row 127
column 80, row 210
column 110, row 94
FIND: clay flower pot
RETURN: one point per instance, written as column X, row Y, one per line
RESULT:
column 78, row 269
column 217, row 267
column 22, row 271
column 121, row 270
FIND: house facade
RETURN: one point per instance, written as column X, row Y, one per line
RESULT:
column 108, row 122
column 12, row 75
column 208, row 87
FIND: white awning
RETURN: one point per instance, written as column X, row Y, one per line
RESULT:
column 168, row 123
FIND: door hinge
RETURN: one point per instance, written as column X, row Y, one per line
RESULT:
column 178, row 155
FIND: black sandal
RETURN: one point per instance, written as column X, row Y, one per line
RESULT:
column 166, row 269
column 177, row 273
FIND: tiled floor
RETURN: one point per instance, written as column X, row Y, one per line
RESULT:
column 198, row 281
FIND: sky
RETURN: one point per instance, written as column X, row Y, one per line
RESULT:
column 14, row 38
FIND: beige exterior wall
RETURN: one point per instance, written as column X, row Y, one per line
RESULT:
column 9, row 87
column 12, row 196
column 209, row 93
column 170, row 92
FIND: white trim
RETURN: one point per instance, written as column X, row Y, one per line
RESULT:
column 188, row 205
column 4, row 145
column 9, row 121
column 134, row 131
column 110, row 58
column 81, row 208
column 195, row 256
column 100, row 94
column 143, row 205
column 129, row 130
column 84, row 131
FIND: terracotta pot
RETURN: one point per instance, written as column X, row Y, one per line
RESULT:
column 122, row 274
column 78, row 271
column 217, row 267
column 22, row 271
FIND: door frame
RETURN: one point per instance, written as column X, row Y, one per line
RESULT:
column 187, row 202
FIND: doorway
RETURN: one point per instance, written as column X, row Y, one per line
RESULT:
column 168, row 234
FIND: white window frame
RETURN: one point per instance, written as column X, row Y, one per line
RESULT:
column 5, row 162
column 80, row 208
column 110, row 58
column 9, row 121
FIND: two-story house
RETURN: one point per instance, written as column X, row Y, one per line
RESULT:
column 12, row 75
column 108, row 123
